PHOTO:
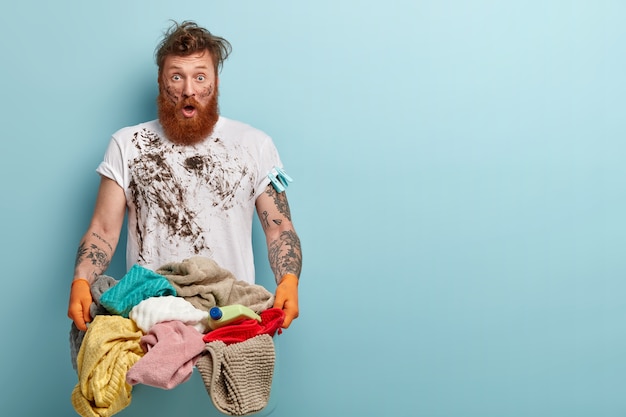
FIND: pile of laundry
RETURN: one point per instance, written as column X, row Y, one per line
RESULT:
column 152, row 328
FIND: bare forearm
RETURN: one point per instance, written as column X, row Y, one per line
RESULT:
column 285, row 254
column 283, row 244
column 93, row 256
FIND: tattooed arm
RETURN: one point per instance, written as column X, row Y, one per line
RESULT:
column 283, row 244
column 98, row 244
column 283, row 247
column 96, row 249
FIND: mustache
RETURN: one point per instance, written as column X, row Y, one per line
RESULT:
column 189, row 101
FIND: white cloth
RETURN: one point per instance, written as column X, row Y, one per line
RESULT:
column 195, row 200
column 168, row 308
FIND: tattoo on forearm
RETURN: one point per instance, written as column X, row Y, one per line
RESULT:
column 285, row 254
column 98, row 257
column 97, row 236
column 80, row 254
column 280, row 199
column 265, row 220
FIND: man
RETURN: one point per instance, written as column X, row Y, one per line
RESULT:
column 189, row 182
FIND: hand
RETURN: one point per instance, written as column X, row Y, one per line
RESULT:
column 80, row 302
column 286, row 298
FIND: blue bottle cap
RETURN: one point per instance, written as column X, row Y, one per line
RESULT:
column 215, row 313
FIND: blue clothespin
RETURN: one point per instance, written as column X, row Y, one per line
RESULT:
column 280, row 180
column 283, row 177
column 275, row 182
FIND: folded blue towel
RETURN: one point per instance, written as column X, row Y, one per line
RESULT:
column 138, row 284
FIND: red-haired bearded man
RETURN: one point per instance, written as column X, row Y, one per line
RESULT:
column 189, row 183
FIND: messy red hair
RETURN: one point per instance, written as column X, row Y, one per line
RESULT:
column 186, row 38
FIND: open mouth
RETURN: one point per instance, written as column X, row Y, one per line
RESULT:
column 189, row 111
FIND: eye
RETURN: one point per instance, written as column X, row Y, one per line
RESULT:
column 201, row 78
column 176, row 77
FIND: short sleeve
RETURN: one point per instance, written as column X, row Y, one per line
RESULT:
column 112, row 165
column 268, row 159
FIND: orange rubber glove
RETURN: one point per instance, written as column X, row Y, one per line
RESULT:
column 80, row 302
column 286, row 298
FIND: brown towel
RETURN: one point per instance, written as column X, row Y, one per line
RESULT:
column 205, row 284
column 238, row 377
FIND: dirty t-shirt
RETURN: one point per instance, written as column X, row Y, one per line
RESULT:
column 186, row 200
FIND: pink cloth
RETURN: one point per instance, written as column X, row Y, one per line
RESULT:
column 172, row 349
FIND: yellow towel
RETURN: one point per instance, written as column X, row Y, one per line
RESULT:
column 109, row 349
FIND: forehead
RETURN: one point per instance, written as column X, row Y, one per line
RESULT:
column 197, row 60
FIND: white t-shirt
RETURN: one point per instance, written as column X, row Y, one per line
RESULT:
column 185, row 200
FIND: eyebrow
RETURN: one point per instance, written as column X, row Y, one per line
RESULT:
column 196, row 67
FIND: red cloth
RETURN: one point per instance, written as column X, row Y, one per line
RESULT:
column 271, row 320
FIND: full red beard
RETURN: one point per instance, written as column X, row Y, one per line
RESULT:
column 187, row 131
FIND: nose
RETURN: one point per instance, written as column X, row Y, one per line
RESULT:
column 188, row 90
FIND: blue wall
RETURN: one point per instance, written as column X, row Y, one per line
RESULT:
column 459, row 193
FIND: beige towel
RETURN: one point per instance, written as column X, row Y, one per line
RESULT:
column 238, row 377
column 205, row 284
